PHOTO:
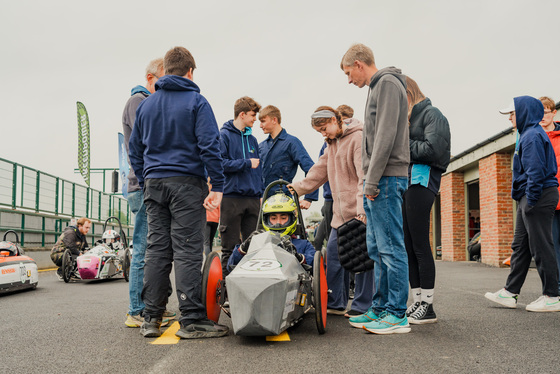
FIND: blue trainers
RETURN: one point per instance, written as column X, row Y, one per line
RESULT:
column 359, row 321
column 388, row 324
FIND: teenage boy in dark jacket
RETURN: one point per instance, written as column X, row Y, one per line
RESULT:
column 243, row 187
column 282, row 153
column 173, row 147
column 535, row 188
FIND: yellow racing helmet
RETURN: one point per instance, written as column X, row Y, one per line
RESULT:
column 280, row 203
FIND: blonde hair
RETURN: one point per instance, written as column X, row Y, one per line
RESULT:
column 413, row 94
column 357, row 52
column 548, row 103
column 272, row 112
column 318, row 122
column 154, row 67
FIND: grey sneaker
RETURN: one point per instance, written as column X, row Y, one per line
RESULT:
column 150, row 329
column 202, row 329
column 169, row 314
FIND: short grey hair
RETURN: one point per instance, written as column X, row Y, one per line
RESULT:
column 154, row 67
column 357, row 52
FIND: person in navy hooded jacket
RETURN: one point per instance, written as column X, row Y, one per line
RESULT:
column 534, row 187
column 174, row 146
column 243, row 187
column 282, row 153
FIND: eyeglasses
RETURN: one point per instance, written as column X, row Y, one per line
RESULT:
column 547, row 112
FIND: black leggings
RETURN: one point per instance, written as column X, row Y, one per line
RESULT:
column 417, row 204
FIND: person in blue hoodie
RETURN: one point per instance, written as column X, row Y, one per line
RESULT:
column 174, row 146
column 243, row 186
column 535, row 188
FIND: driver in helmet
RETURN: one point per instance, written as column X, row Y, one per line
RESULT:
column 112, row 240
column 279, row 216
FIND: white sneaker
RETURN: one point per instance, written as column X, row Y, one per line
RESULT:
column 545, row 304
column 501, row 297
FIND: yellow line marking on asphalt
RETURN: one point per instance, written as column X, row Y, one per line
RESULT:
column 168, row 337
column 49, row 269
column 283, row 337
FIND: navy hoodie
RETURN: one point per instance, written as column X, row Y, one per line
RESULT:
column 534, row 162
column 237, row 148
column 176, row 134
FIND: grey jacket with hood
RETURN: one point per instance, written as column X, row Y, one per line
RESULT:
column 385, row 145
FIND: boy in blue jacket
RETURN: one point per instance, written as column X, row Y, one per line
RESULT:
column 535, row 188
column 243, row 177
column 282, row 153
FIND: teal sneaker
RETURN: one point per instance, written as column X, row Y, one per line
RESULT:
column 359, row 321
column 388, row 324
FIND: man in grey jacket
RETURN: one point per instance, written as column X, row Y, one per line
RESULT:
column 136, row 200
column 385, row 159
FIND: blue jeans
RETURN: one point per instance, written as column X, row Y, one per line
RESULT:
column 338, row 281
column 136, row 276
column 385, row 242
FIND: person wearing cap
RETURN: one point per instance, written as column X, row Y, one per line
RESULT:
column 535, row 188
column 553, row 131
column 341, row 166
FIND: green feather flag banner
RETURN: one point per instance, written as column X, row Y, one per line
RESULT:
column 83, row 142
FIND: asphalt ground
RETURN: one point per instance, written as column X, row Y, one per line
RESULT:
column 79, row 328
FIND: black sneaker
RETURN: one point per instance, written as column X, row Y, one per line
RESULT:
column 150, row 329
column 203, row 328
column 423, row 314
column 412, row 308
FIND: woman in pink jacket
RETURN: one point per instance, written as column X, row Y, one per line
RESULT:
column 341, row 166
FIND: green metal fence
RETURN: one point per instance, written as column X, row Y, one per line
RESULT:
column 24, row 189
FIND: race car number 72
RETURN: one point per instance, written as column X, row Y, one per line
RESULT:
column 256, row 264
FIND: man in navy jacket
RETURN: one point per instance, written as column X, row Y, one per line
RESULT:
column 174, row 145
column 282, row 153
column 243, row 187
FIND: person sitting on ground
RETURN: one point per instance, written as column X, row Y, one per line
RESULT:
column 279, row 216
column 73, row 238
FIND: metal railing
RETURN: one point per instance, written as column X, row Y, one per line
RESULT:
column 26, row 189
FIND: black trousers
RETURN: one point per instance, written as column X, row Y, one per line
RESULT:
column 417, row 204
column 533, row 238
column 175, row 236
column 324, row 228
column 238, row 219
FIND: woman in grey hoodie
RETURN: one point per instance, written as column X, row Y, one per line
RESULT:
column 341, row 166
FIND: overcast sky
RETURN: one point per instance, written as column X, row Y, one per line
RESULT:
column 469, row 57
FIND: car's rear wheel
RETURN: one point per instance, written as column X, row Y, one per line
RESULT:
column 126, row 264
column 67, row 266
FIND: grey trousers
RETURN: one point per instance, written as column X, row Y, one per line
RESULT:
column 175, row 236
